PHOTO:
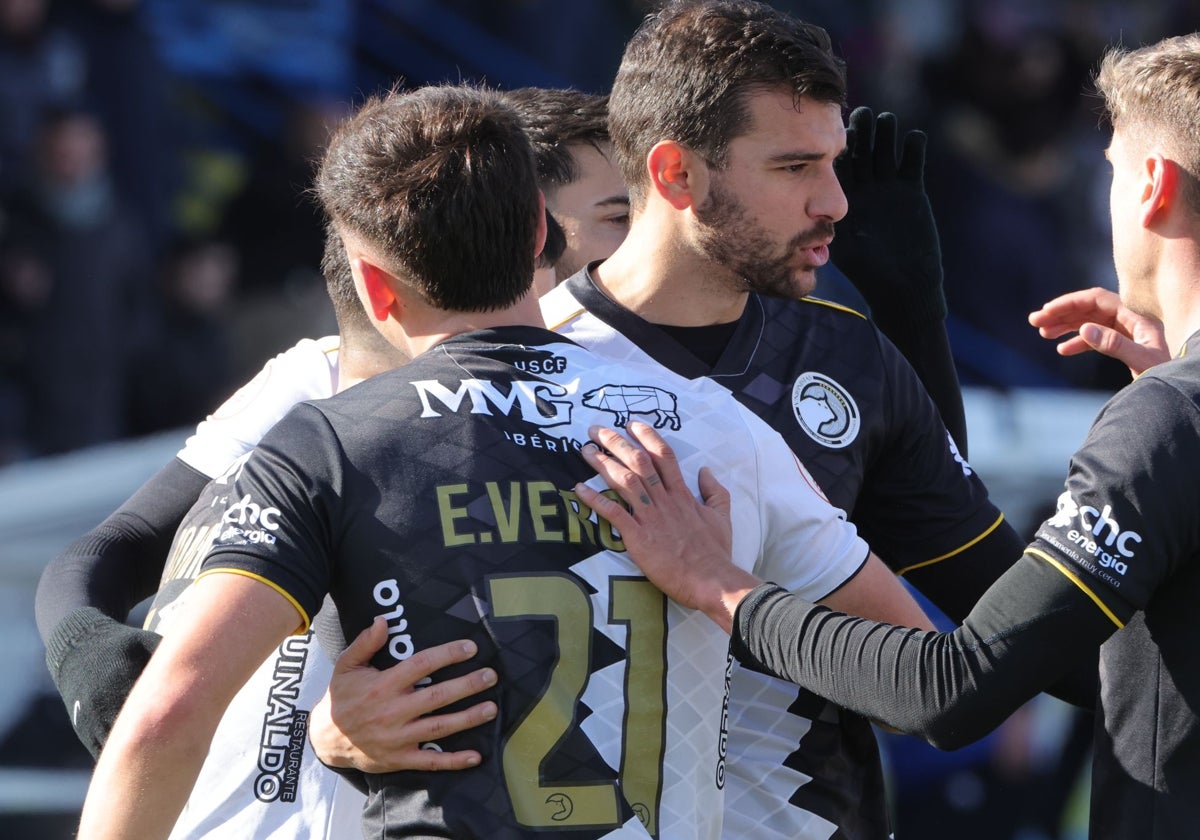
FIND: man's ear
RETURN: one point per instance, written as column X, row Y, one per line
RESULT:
column 1161, row 190
column 677, row 174
column 377, row 284
column 542, row 229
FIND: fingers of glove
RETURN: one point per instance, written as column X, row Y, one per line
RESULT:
column 860, row 141
column 885, row 146
column 912, row 158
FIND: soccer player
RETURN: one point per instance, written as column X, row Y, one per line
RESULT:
column 584, row 190
column 1115, row 570
column 726, row 119
column 260, row 778
column 85, row 593
column 439, row 497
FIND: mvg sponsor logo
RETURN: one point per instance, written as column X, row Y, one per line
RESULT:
column 531, row 399
column 1096, row 532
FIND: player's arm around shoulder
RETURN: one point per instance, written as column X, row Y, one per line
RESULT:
column 229, row 626
column 306, row 371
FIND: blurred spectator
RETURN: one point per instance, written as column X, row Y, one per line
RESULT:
column 89, row 301
column 132, row 91
column 1011, row 190
column 24, row 292
column 40, row 65
column 279, row 233
column 187, row 369
column 274, row 223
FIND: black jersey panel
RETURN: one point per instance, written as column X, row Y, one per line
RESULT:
column 1127, row 519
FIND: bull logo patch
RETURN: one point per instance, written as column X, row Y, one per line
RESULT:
column 624, row 401
column 825, row 410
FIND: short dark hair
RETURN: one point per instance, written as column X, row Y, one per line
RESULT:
column 689, row 68
column 441, row 180
column 353, row 323
column 556, row 243
column 556, row 119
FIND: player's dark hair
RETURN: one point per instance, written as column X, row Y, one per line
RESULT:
column 441, row 181
column 689, row 68
column 556, row 119
column 354, row 326
column 556, row 243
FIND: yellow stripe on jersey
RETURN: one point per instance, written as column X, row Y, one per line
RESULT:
column 305, row 619
column 950, row 554
column 833, row 305
column 555, row 326
column 1075, row 579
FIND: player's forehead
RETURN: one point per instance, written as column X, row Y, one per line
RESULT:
column 781, row 126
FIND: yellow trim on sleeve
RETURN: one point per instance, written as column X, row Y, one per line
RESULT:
column 950, row 554
column 1075, row 579
column 305, row 620
column 832, row 305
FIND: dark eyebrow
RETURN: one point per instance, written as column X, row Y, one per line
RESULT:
column 619, row 200
column 795, row 157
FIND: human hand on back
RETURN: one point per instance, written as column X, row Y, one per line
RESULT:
column 681, row 543
column 377, row 721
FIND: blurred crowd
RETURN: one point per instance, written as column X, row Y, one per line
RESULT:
column 157, row 242
column 155, row 246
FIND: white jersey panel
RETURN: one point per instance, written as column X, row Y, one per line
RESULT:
column 762, row 733
column 261, row 778
column 307, row 371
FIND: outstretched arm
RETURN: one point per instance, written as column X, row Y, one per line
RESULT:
column 950, row 689
column 85, row 594
column 1029, row 629
column 888, row 247
column 667, row 524
column 1102, row 323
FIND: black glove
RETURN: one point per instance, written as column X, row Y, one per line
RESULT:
column 888, row 243
column 94, row 661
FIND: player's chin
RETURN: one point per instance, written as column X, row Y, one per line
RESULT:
column 803, row 282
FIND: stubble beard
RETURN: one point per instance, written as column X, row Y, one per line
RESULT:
column 729, row 238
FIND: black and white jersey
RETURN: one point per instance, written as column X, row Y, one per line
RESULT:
column 1127, row 532
column 439, row 496
column 261, row 778
column 854, row 412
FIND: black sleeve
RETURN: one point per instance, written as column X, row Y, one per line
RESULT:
column 926, row 346
column 956, row 584
column 119, row 563
column 949, row 688
column 86, row 593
